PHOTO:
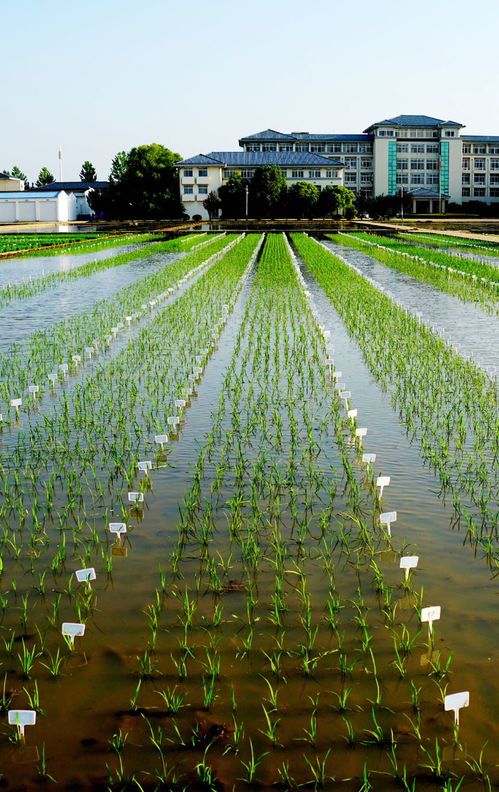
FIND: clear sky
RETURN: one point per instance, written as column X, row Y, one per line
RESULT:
column 101, row 76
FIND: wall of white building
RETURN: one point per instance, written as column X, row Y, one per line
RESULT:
column 198, row 188
column 380, row 149
column 37, row 207
column 11, row 185
column 193, row 201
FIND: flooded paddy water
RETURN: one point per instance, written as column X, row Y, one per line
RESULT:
column 252, row 627
column 14, row 270
column 21, row 318
column 464, row 323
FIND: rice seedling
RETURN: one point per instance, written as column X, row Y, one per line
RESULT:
column 253, row 763
column 318, row 769
column 275, row 582
column 41, row 769
column 466, row 279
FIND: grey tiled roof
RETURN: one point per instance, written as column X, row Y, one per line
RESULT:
column 414, row 121
column 270, row 134
column 423, row 192
column 254, row 159
column 201, row 159
column 480, row 138
column 308, row 136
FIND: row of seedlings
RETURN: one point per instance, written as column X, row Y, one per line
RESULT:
column 468, row 286
column 451, row 411
column 49, row 356
column 277, row 652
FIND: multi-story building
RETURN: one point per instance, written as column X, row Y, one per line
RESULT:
column 417, row 154
column 205, row 173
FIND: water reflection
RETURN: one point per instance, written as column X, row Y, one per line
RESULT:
column 13, row 270
column 21, row 318
column 464, row 323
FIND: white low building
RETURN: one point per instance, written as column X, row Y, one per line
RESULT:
column 81, row 191
column 10, row 183
column 49, row 206
column 205, row 173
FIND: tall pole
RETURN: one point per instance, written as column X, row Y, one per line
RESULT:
column 60, row 163
column 247, row 192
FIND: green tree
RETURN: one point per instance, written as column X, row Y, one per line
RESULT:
column 44, row 177
column 302, row 199
column 88, row 172
column 386, row 205
column 267, row 192
column 144, row 184
column 232, row 196
column 18, row 174
column 118, row 168
column 212, row 204
column 336, row 201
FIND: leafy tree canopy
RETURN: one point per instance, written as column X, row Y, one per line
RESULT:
column 44, row 177
column 267, row 191
column 143, row 184
column 118, row 168
column 88, row 172
column 212, row 204
column 302, row 199
column 232, row 196
column 18, row 174
column 336, row 201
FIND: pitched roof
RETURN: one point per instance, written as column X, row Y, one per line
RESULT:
column 271, row 134
column 201, row 159
column 414, row 121
column 333, row 137
column 254, row 159
column 10, row 178
column 480, row 138
column 423, row 192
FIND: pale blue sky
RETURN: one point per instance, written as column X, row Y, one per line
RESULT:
column 101, row 76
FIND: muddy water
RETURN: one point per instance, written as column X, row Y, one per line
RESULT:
column 450, row 573
column 476, row 331
column 21, row 318
column 91, row 701
column 14, row 270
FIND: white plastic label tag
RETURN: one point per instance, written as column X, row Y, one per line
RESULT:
column 84, row 575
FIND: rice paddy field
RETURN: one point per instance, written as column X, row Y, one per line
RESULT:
column 248, row 517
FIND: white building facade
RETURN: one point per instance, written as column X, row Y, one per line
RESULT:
column 205, row 173
column 10, row 183
column 427, row 157
column 30, row 206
